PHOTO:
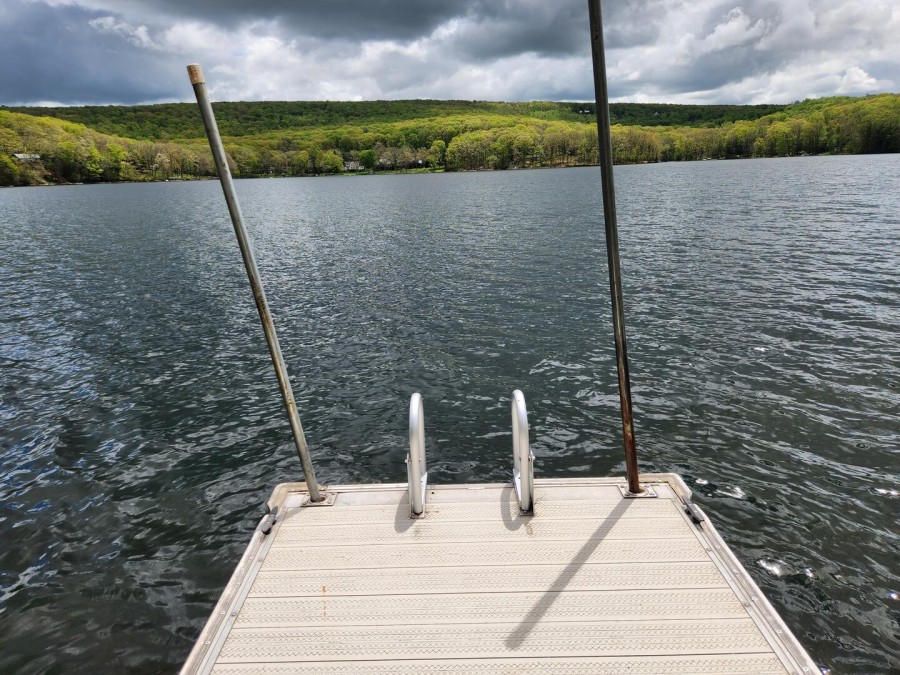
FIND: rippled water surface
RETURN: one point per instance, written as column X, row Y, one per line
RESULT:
column 141, row 427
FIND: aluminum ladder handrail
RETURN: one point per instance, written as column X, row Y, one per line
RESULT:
column 523, row 458
column 416, row 471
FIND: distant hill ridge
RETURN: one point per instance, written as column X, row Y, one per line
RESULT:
column 167, row 121
column 166, row 141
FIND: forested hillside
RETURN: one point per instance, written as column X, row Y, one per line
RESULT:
column 161, row 142
column 180, row 120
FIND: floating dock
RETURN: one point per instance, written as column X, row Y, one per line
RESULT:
column 592, row 582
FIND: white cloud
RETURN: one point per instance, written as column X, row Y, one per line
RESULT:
column 139, row 36
column 807, row 48
column 808, row 80
column 186, row 37
column 713, row 51
column 738, row 29
column 855, row 80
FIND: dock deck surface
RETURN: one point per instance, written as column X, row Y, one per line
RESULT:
column 591, row 583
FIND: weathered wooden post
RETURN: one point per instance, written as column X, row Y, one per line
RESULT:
column 259, row 295
column 612, row 243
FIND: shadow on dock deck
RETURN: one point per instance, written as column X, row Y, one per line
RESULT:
column 591, row 583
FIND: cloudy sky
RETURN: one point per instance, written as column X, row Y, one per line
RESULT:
column 681, row 51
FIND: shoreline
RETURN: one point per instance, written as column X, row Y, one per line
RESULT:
column 355, row 174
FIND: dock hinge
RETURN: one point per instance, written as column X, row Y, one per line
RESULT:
column 693, row 511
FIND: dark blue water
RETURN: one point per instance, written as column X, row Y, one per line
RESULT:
column 141, row 426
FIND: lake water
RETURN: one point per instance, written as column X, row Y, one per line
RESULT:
column 141, row 426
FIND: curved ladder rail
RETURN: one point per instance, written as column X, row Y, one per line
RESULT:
column 523, row 458
column 416, row 472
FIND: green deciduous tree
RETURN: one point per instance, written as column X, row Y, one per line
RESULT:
column 367, row 159
column 9, row 170
column 331, row 162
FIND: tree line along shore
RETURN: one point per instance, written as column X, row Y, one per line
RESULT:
column 41, row 146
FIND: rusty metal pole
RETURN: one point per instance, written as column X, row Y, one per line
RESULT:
column 259, row 295
column 612, row 243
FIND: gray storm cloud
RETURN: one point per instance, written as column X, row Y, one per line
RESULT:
column 737, row 51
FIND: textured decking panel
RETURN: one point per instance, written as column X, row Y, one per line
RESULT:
column 639, row 638
column 592, row 583
column 514, row 579
column 476, row 554
column 731, row 664
column 501, row 508
column 435, row 530
column 329, row 609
